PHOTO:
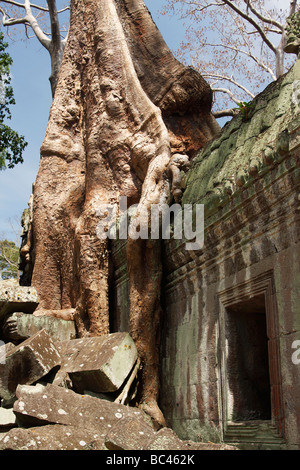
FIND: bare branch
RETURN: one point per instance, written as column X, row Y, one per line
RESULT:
column 262, row 18
column 249, row 54
column 228, row 92
column 41, row 36
column 54, row 22
column 6, row 258
column 38, row 7
column 229, row 79
column 12, row 21
column 253, row 22
column 230, row 112
column 11, row 263
column 63, row 9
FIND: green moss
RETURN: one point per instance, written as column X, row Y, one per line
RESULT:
column 222, row 168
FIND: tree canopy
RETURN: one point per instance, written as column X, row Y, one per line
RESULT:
column 238, row 46
column 9, row 260
column 12, row 144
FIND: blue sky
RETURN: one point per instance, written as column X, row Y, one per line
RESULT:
column 30, row 72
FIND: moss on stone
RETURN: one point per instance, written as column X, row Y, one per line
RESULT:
column 245, row 149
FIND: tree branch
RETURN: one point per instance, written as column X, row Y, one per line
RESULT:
column 228, row 92
column 10, row 262
column 55, row 30
column 41, row 36
column 253, row 22
column 229, row 112
column 38, row 7
column 12, row 21
column 293, row 4
column 249, row 54
column 262, row 18
column 229, row 79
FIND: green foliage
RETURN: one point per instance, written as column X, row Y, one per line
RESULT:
column 12, row 144
column 244, row 107
column 9, row 260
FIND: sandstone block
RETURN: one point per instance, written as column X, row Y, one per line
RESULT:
column 167, row 439
column 7, row 418
column 52, row 437
column 27, row 362
column 4, row 350
column 134, row 435
column 99, row 364
column 15, row 298
column 20, row 326
column 41, row 405
column 131, row 435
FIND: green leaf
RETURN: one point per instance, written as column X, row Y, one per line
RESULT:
column 12, row 144
column 9, row 260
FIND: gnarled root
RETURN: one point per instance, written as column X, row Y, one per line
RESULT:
column 152, row 409
column 64, row 314
column 178, row 162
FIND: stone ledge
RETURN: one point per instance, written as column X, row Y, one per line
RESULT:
column 16, row 298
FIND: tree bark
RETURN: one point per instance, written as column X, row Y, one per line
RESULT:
column 122, row 107
column 56, row 48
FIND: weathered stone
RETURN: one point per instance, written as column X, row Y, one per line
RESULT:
column 251, row 244
column 27, row 362
column 166, row 439
column 52, row 437
column 4, row 350
column 15, row 298
column 7, row 418
column 131, row 435
column 51, row 404
column 292, row 30
column 67, row 420
column 134, row 435
column 20, row 326
column 98, row 364
column 7, row 421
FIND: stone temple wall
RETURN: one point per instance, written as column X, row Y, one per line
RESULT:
column 231, row 321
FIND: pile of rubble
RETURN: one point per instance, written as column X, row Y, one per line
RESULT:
column 73, row 393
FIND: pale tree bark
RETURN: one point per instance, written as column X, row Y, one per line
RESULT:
column 53, row 42
column 56, row 46
column 123, row 107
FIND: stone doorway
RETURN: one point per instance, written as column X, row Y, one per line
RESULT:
column 248, row 377
column 250, row 373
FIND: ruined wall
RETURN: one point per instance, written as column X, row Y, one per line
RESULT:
column 220, row 302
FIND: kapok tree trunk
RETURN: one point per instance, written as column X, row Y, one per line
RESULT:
column 122, row 107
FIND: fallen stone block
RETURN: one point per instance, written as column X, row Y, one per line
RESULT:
column 167, row 439
column 27, row 363
column 51, row 404
column 7, row 418
column 4, row 350
column 16, row 298
column 20, row 326
column 131, row 435
column 52, row 437
column 134, row 435
column 98, row 364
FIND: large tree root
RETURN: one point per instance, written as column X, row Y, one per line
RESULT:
column 114, row 124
